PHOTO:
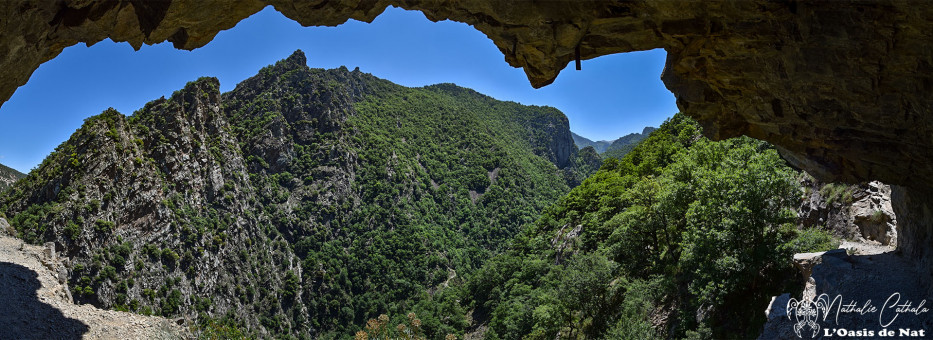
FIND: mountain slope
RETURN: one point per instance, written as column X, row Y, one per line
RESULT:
column 8, row 176
column 625, row 144
column 681, row 238
column 583, row 142
column 616, row 148
column 31, row 281
column 302, row 203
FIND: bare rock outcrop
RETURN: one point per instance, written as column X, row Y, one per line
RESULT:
column 861, row 213
column 38, row 303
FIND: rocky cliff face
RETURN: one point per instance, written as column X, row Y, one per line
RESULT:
column 34, row 280
column 135, row 204
column 914, row 209
column 859, row 213
column 868, row 268
column 301, row 192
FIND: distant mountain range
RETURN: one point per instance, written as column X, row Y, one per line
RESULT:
column 616, row 148
column 583, row 142
column 8, row 175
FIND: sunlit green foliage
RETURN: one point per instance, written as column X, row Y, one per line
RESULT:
column 368, row 198
column 680, row 224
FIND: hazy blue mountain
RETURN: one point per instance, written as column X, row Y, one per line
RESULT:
column 583, row 142
column 616, row 148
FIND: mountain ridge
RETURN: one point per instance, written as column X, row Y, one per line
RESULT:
column 582, row 142
column 615, row 148
column 255, row 207
column 8, row 176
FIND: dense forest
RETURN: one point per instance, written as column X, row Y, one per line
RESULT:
column 311, row 203
column 683, row 237
column 300, row 204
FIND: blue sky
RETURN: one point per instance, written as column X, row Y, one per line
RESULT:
column 612, row 96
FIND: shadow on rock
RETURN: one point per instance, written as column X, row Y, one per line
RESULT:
column 24, row 316
column 854, row 296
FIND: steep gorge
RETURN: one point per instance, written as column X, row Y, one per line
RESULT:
column 303, row 202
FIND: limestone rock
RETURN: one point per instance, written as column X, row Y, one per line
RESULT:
column 776, row 312
column 806, row 261
column 861, row 212
column 874, row 216
column 5, row 228
column 915, row 224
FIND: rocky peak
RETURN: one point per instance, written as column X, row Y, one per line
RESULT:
column 296, row 60
column 196, row 107
column 210, row 204
column 560, row 147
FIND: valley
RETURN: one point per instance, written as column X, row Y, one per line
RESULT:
column 313, row 203
column 302, row 203
column 330, row 204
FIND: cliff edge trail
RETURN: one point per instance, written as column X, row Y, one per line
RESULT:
column 37, row 303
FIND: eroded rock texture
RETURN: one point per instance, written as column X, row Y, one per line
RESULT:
column 914, row 229
column 843, row 88
column 861, row 213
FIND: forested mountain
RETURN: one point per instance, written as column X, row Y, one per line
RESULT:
column 682, row 237
column 617, row 148
column 623, row 145
column 8, row 175
column 582, row 142
column 302, row 203
column 311, row 203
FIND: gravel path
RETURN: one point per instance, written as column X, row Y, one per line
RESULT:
column 35, row 302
